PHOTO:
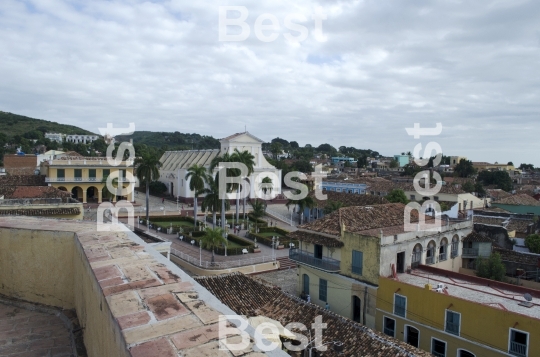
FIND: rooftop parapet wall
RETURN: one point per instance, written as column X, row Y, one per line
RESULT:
column 130, row 300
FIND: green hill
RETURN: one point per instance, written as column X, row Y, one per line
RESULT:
column 171, row 140
column 13, row 124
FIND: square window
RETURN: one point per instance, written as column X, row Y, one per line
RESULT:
column 357, row 262
column 400, row 305
column 452, row 322
column 518, row 343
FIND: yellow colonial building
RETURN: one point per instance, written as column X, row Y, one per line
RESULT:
column 85, row 178
column 452, row 314
column 342, row 255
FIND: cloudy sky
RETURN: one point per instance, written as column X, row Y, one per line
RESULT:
column 377, row 68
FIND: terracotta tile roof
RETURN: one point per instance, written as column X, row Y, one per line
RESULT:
column 245, row 296
column 347, row 199
column 519, row 225
column 519, row 200
column 22, row 180
column 314, row 238
column 360, row 219
column 492, row 221
column 497, row 194
column 38, row 192
column 517, row 257
column 476, row 237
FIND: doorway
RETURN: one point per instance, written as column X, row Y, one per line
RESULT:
column 400, row 266
column 413, row 336
column 357, row 305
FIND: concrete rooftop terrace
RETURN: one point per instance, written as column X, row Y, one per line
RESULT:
column 130, row 300
column 33, row 333
column 482, row 291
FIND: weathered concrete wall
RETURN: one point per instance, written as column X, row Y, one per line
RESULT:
column 371, row 250
column 339, row 294
column 102, row 335
column 51, row 268
column 37, row 266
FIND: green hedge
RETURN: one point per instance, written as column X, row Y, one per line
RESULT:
column 268, row 240
column 246, row 244
column 172, row 218
column 273, row 229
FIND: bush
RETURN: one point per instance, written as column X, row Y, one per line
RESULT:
column 157, row 188
column 491, row 268
column 245, row 244
column 273, row 229
column 533, row 243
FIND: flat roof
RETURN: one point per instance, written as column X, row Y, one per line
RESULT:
column 471, row 288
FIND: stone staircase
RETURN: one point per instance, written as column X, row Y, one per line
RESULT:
column 286, row 263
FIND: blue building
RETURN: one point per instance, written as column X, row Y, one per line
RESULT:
column 349, row 187
column 402, row 159
column 335, row 160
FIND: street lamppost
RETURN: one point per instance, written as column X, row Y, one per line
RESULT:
column 226, row 241
column 200, row 252
column 177, row 203
column 273, row 252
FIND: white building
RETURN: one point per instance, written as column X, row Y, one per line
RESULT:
column 55, row 137
column 176, row 163
column 84, row 139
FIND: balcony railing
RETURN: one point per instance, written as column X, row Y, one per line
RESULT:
column 470, row 252
column 518, row 349
column 80, row 179
column 324, row 263
column 430, row 260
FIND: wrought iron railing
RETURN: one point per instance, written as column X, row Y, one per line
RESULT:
column 324, row 263
column 518, row 349
column 471, row 252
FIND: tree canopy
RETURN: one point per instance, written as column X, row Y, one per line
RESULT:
column 491, row 268
column 464, row 168
column 397, row 196
column 533, row 243
column 499, row 178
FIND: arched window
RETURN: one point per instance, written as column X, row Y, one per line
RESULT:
column 465, row 353
column 443, row 250
column 416, row 256
column 430, row 253
column 455, row 246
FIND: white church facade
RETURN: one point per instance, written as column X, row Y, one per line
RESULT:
column 176, row 163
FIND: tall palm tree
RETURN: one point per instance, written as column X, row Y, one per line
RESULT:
column 267, row 187
column 302, row 204
column 147, row 166
column 213, row 237
column 215, row 163
column 197, row 176
column 212, row 200
column 247, row 159
column 257, row 211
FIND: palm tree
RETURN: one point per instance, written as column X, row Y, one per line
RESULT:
column 147, row 166
column 247, row 159
column 213, row 237
column 257, row 211
column 332, row 206
column 230, row 172
column 266, row 186
column 306, row 202
column 212, row 200
column 197, row 176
